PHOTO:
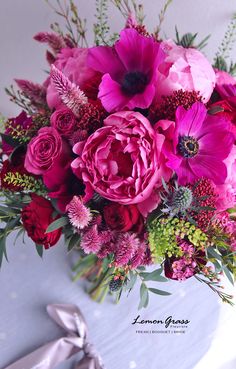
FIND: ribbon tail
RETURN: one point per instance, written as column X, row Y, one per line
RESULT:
column 47, row 356
column 89, row 363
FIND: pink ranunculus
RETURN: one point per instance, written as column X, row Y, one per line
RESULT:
column 184, row 69
column 121, row 161
column 64, row 121
column 73, row 63
column 227, row 191
column 46, row 151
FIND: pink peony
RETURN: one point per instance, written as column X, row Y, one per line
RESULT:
column 46, row 151
column 121, row 161
column 200, row 144
column 184, row 69
column 129, row 69
column 73, row 64
column 227, row 191
column 224, row 78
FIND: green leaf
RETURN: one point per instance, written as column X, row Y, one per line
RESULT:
column 203, row 43
column 159, row 292
column 164, row 185
column 144, row 298
column 39, row 249
column 56, row 224
column 228, row 274
column 131, row 281
column 13, row 223
column 9, row 140
column 21, row 231
column 7, row 210
column 154, row 276
column 212, row 253
column 74, row 241
column 215, row 109
column 2, row 248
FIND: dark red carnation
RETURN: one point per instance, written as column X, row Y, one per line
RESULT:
column 123, row 217
column 36, row 218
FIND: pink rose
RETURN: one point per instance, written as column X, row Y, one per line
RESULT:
column 121, row 161
column 73, row 63
column 45, row 152
column 227, row 191
column 64, row 121
column 186, row 69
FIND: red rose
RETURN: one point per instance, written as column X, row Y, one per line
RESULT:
column 123, row 217
column 36, row 217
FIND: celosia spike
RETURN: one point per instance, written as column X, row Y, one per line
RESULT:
column 70, row 94
column 54, row 41
column 35, row 92
column 90, row 240
column 79, row 215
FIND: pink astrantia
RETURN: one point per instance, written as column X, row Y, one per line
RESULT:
column 79, row 215
column 200, row 144
column 129, row 69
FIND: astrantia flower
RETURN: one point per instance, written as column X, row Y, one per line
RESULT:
column 200, row 144
column 78, row 213
column 129, row 69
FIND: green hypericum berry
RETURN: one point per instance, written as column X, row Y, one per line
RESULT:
column 115, row 285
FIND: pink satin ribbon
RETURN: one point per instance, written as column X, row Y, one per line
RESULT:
column 50, row 355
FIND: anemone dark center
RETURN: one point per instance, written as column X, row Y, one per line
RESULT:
column 188, row 146
column 134, row 83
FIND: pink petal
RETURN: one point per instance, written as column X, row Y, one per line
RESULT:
column 185, row 173
column 189, row 122
column 218, row 144
column 111, row 95
column 209, row 167
column 136, row 51
column 105, row 60
column 142, row 100
column 213, row 124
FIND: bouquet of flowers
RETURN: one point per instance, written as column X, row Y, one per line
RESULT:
column 128, row 150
